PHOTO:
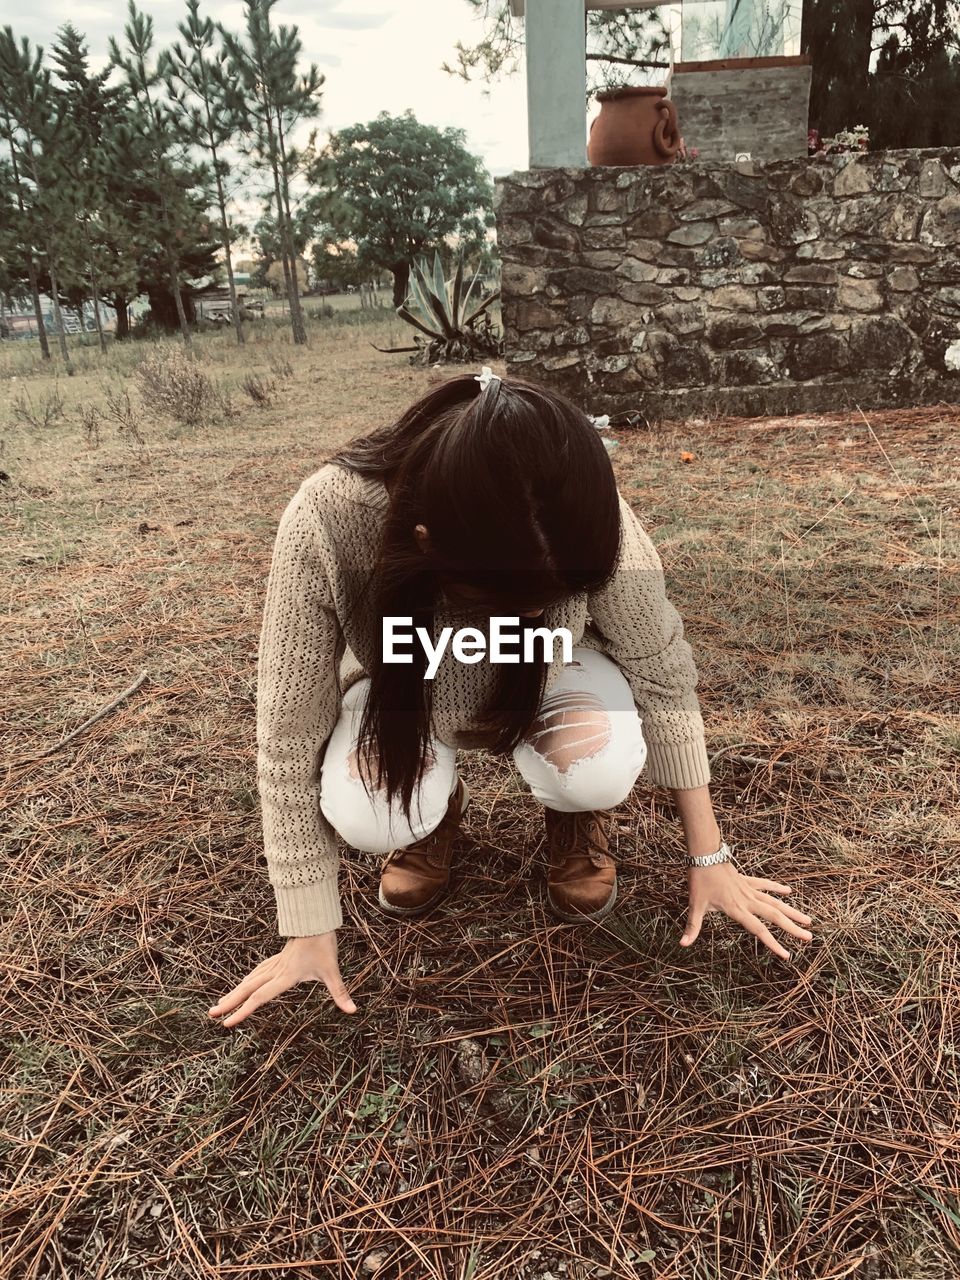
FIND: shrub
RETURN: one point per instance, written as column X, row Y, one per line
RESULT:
column 122, row 410
column 174, row 383
column 260, row 390
column 42, row 415
column 89, row 417
column 456, row 322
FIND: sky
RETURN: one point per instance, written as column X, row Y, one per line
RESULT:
column 377, row 55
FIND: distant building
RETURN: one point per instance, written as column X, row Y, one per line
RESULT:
column 20, row 322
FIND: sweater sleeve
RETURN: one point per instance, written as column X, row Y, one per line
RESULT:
column 643, row 634
column 297, row 708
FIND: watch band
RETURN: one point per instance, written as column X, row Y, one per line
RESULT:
column 723, row 854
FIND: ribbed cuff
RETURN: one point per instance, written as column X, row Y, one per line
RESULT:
column 678, row 764
column 307, row 909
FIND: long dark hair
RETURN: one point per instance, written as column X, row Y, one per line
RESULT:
column 517, row 493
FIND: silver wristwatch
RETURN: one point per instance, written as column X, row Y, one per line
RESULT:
column 723, row 854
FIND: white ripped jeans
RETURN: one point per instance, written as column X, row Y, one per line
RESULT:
column 585, row 751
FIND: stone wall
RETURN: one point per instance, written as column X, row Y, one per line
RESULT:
column 803, row 285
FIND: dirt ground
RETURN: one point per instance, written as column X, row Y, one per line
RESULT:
column 516, row 1097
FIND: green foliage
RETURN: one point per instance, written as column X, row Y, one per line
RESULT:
column 397, row 188
column 36, row 134
column 13, row 268
column 109, row 203
column 91, row 111
column 157, row 146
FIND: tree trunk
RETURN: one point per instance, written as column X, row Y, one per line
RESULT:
column 163, row 306
column 225, row 238
column 120, row 306
column 286, row 235
column 174, row 272
column 97, row 317
column 289, row 265
column 296, row 309
column 222, row 202
column 401, row 279
column 37, row 308
column 287, row 249
column 95, row 290
column 178, row 298
column 285, row 263
column 58, row 316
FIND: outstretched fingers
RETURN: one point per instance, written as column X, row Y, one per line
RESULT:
column 755, row 926
column 261, row 992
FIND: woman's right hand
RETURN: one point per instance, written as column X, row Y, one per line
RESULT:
column 301, row 960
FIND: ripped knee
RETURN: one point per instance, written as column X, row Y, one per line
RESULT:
column 571, row 727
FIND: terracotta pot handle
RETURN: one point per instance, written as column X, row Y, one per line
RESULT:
column 666, row 133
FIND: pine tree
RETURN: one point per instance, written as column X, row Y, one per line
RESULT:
column 90, row 110
column 17, row 236
column 197, row 86
column 34, row 132
column 270, row 97
column 155, row 127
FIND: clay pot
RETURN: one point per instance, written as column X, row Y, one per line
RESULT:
column 636, row 125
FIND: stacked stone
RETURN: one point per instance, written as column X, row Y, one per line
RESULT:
column 798, row 285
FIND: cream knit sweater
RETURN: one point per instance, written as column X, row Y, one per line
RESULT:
column 326, row 544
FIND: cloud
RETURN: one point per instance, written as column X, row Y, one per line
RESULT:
column 355, row 21
column 327, row 13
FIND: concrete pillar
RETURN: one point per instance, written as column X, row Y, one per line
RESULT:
column 556, row 43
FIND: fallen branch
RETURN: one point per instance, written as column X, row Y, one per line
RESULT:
column 757, row 761
column 94, row 718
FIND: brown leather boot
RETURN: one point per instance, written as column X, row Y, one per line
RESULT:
column 415, row 878
column 582, row 877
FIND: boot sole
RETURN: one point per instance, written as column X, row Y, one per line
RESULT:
column 394, row 909
column 582, row 917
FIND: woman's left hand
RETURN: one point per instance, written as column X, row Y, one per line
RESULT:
column 746, row 899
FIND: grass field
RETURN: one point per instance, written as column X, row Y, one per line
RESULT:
column 516, row 1097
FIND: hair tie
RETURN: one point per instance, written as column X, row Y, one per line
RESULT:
column 486, row 377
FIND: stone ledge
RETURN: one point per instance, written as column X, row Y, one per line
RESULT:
column 766, row 401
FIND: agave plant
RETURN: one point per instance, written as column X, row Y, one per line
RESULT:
column 455, row 321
